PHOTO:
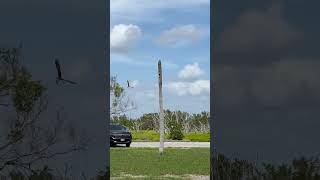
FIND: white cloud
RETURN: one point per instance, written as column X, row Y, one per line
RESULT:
column 189, row 88
column 180, row 35
column 190, row 71
column 123, row 37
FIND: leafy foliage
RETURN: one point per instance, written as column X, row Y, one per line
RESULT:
column 175, row 130
column 26, row 93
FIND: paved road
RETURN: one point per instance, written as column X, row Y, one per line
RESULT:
column 172, row 144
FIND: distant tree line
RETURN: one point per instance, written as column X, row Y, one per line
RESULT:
column 177, row 123
column 197, row 122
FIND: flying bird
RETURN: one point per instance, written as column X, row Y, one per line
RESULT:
column 129, row 84
column 59, row 78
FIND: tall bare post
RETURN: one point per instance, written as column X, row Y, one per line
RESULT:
column 161, row 118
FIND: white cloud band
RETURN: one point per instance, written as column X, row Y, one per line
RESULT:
column 189, row 88
column 123, row 37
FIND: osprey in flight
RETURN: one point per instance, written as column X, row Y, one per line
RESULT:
column 59, row 78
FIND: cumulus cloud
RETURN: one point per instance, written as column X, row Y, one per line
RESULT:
column 123, row 37
column 188, row 88
column 180, row 35
column 190, row 71
column 258, row 29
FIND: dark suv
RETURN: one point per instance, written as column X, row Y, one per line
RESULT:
column 119, row 135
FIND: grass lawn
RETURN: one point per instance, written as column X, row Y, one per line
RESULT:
column 146, row 163
column 154, row 136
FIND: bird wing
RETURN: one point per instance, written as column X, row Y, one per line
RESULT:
column 58, row 69
column 69, row 81
column 59, row 78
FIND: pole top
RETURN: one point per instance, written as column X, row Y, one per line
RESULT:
column 159, row 62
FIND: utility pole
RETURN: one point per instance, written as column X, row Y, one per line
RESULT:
column 161, row 118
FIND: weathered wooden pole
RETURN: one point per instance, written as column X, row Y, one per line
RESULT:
column 161, row 117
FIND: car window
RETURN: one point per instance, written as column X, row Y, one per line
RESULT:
column 118, row 128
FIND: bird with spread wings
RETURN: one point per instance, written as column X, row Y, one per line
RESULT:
column 59, row 78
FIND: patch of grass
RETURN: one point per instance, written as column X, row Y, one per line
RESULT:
column 148, row 162
column 146, row 135
column 197, row 137
column 154, row 136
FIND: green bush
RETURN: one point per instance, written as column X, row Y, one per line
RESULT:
column 176, row 134
column 175, row 130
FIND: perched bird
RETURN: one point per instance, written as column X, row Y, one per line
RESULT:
column 59, row 78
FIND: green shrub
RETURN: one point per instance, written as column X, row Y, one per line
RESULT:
column 175, row 130
column 176, row 134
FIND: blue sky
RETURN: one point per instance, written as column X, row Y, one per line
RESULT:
column 175, row 31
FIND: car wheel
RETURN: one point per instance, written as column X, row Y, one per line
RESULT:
column 128, row 145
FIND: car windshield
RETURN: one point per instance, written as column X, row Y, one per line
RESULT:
column 118, row 128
